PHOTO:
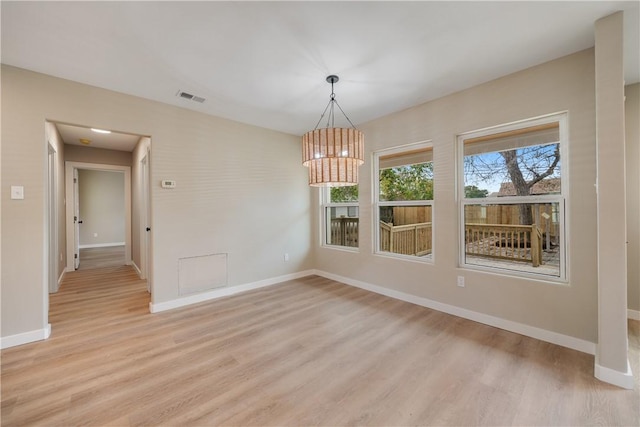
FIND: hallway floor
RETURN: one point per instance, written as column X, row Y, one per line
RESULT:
column 111, row 256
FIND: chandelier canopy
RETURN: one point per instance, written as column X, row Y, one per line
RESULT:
column 332, row 154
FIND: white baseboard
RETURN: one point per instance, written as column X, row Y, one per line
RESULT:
column 611, row 376
column 25, row 337
column 60, row 279
column 101, row 245
column 633, row 314
column 223, row 292
column 508, row 325
column 136, row 268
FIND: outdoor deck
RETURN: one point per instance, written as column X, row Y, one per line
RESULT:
column 516, row 247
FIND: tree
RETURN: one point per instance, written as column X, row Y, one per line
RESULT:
column 539, row 163
column 410, row 182
column 473, row 192
column 523, row 167
column 347, row 193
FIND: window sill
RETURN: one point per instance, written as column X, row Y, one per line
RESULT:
column 537, row 277
column 427, row 259
column 341, row 248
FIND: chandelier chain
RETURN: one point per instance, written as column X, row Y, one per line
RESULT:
column 330, row 106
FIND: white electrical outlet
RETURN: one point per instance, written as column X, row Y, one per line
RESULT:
column 95, row 234
column 286, row 257
column 461, row 281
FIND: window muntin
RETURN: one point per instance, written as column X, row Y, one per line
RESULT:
column 512, row 198
column 341, row 216
column 404, row 199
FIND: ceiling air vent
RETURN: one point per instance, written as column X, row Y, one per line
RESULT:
column 191, row 97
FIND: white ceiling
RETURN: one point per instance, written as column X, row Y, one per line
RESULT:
column 265, row 63
column 113, row 141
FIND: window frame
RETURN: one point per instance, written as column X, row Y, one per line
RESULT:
column 377, row 203
column 562, row 118
column 325, row 204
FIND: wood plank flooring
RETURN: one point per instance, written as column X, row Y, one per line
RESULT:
column 110, row 256
column 305, row 352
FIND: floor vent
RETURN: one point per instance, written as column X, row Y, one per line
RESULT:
column 202, row 273
column 191, row 97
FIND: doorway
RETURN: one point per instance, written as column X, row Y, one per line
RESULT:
column 91, row 257
column 77, row 234
column 100, row 225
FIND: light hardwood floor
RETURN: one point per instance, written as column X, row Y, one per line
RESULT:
column 110, row 256
column 305, row 352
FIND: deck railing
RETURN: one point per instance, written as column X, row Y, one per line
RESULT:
column 410, row 239
column 502, row 241
column 344, row 231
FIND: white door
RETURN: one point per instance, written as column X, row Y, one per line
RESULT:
column 53, row 221
column 76, row 220
column 145, row 222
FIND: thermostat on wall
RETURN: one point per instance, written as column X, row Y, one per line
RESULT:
column 166, row 183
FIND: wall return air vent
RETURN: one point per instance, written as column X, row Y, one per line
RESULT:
column 189, row 96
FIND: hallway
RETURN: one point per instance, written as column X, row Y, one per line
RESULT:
column 92, row 258
column 87, row 316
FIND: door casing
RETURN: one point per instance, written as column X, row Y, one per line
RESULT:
column 70, row 167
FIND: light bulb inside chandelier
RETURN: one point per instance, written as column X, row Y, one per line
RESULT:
column 332, row 154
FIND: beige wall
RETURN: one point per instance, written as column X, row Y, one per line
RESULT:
column 241, row 189
column 76, row 153
column 611, row 350
column 566, row 84
column 102, row 208
column 632, row 155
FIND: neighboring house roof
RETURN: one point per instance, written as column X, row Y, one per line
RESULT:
column 546, row 186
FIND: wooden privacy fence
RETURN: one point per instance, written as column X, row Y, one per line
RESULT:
column 405, row 215
column 410, row 239
column 510, row 214
column 504, row 241
column 344, row 231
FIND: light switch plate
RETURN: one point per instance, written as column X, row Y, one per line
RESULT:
column 17, row 192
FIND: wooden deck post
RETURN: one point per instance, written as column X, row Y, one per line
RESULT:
column 536, row 253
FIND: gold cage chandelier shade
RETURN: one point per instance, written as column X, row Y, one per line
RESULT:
column 333, row 155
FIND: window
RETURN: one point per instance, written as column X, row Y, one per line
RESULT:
column 404, row 201
column 341, row 220
column 513, row 197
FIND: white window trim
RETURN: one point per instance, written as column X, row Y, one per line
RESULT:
column 324, row 196
column 562, row 118
column 377, row 203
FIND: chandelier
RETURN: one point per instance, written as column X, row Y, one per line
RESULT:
column 332, row 154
